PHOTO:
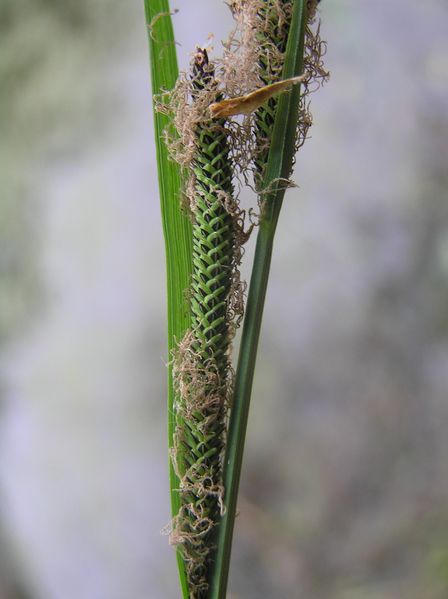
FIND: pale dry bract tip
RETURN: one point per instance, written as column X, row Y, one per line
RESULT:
column 250, row 102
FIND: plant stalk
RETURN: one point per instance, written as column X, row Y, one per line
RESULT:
column 281, row 154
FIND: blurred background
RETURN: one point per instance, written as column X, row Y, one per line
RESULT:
column 345, row 483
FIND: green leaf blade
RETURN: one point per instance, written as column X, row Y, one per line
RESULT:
column 176, row 226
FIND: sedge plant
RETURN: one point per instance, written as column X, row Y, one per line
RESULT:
column 201, row 150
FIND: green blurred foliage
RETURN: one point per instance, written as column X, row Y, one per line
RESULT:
column 50, row 53
column 46, row 73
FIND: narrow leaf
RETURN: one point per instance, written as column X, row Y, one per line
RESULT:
column 176, row 227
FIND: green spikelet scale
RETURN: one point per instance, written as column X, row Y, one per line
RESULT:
column 272, row 33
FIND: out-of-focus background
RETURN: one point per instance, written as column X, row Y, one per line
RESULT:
column 345, row 484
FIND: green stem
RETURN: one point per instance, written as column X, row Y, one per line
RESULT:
column 279, row 166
